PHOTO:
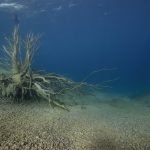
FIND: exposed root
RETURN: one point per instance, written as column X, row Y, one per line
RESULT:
column 21, row 82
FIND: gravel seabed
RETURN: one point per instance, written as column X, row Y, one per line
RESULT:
column 101, row 125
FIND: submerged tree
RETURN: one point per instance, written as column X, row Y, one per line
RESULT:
column 21, row 82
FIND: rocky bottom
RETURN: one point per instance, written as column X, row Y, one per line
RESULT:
column 104, row 125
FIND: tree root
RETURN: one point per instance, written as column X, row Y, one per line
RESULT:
column 21, row 82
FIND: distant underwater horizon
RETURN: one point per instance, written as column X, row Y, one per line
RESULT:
column 79, row 37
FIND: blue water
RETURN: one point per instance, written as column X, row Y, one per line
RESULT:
column 80, row 36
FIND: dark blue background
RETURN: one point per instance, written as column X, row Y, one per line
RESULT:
column 93, row 35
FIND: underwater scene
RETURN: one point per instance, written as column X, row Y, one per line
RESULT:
column 74, row 75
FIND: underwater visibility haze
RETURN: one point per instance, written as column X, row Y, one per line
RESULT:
column 79, row 37
column 100, row 45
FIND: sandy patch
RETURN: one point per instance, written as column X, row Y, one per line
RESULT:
column 103, row 125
